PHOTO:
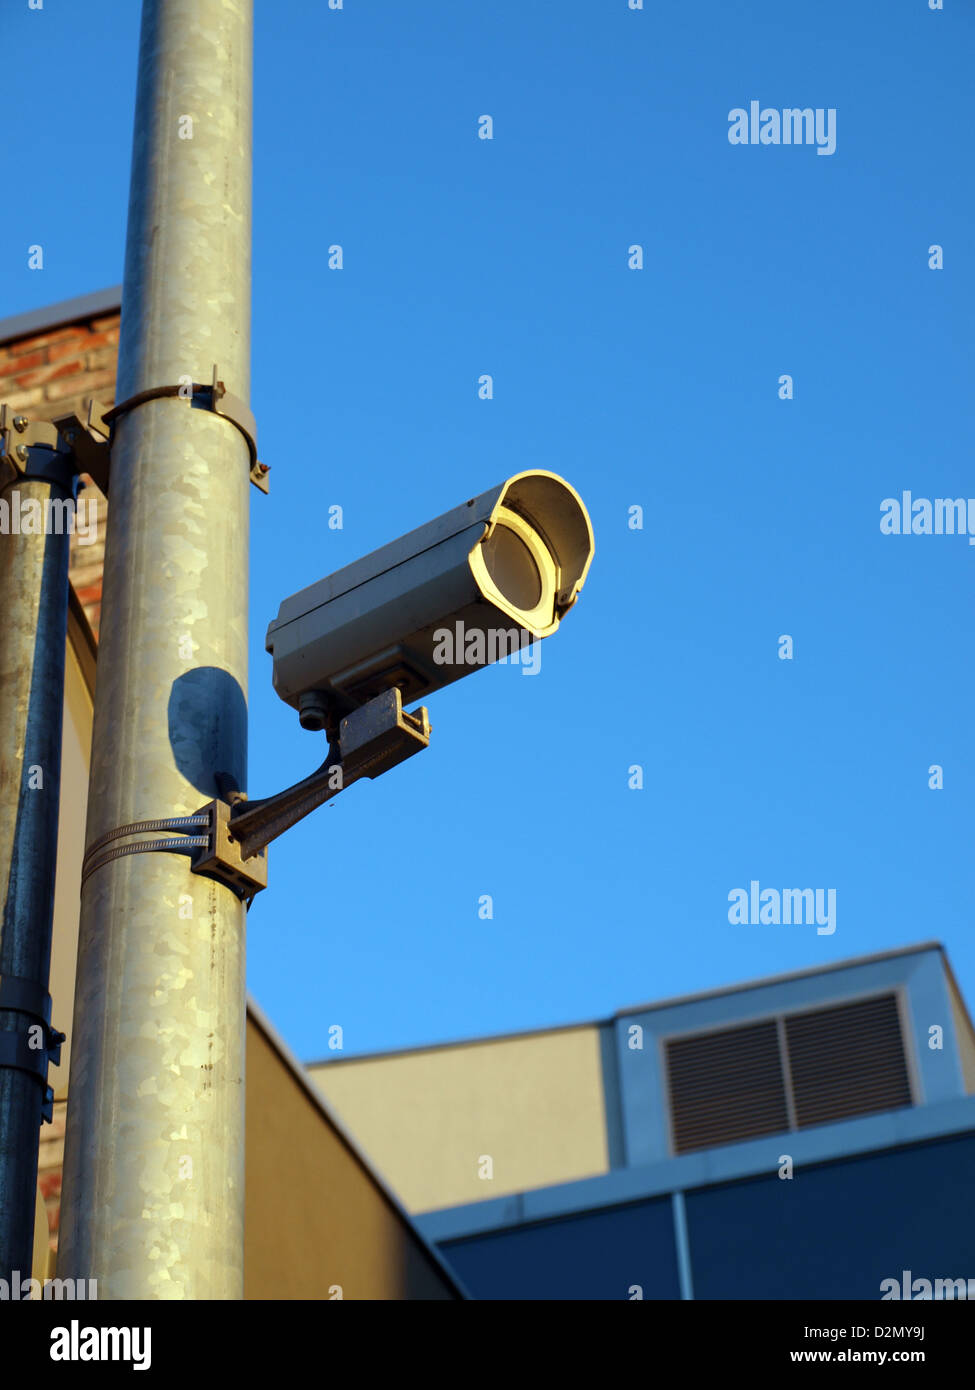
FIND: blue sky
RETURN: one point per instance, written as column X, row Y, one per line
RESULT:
column 656, row 388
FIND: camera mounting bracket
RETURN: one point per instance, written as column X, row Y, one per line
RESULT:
column 228, row 837
column 372, row 740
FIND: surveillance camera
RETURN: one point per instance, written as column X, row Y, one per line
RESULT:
column 497, row 572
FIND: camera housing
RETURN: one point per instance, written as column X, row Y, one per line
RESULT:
column 511, row 561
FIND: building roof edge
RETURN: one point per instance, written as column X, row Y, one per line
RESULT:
column 59, row 315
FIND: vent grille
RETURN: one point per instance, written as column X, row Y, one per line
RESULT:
column 726, row 1086
column 786, row 1073
column 847, row 1061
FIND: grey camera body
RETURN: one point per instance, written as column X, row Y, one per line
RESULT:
column 507, row 565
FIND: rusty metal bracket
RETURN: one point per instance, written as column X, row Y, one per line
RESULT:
column 214, row 396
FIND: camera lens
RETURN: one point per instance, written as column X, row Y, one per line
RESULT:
column 512, row 568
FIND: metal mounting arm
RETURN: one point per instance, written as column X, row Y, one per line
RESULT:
column 227, row 838
column 372, row 740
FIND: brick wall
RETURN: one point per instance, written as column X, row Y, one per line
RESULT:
column 49, row 374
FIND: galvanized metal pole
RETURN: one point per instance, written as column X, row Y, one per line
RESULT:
column 154, row 1160
column 34, row 595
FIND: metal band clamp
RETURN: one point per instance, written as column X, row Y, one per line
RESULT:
column 216, row 398
column 24, row 996
column 214, row 854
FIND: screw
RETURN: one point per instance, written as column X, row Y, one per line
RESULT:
column 20, row 423
column 21, row 452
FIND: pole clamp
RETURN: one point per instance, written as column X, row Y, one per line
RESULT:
column 85, row 446
column 212, row 395
column 204, row 836
column 30, row 1049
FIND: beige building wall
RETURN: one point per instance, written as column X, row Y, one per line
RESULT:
column 75, row 752
column 75, row 748
column 964, row 1033
column 317, row 1225
column 533, row 1105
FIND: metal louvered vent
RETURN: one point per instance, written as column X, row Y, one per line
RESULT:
column 726, row 1086
column 847, row 1061
column 786, row 1073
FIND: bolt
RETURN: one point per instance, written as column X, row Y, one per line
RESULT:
column 20, row 423
column 21, row 452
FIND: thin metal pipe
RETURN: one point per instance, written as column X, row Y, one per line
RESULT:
column 154, row 1157
column 34, row 595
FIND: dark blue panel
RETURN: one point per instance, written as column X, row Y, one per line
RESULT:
column 600, row 1255
column 838, row 1230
